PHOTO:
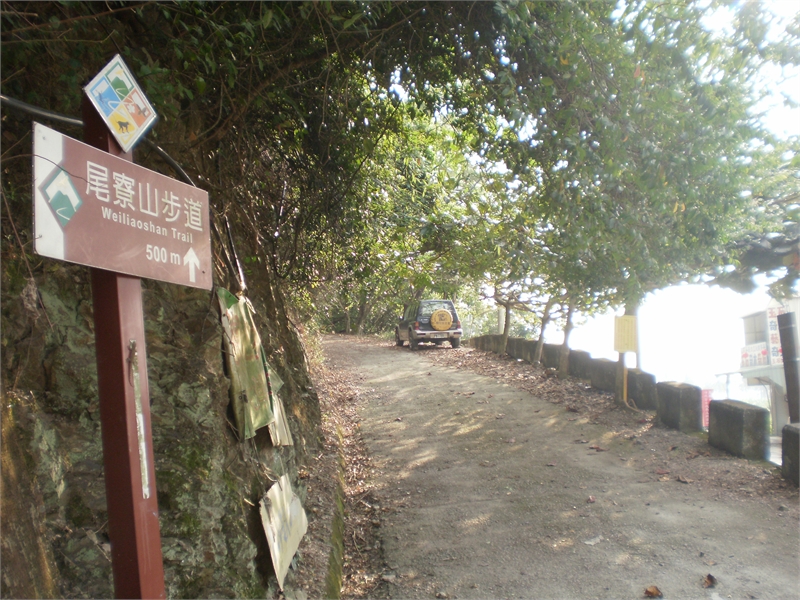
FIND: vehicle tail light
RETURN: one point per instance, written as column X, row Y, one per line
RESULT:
column 458, row 324
column 416, row 324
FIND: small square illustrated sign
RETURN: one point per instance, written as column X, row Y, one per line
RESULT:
column 122, row 103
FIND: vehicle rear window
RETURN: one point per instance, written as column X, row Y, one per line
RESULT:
column 427, row 309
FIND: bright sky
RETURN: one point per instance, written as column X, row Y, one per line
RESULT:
column 687, row 333
column 781, row 119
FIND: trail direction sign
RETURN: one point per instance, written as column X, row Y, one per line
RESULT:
column 121, row 103
column 95, row 209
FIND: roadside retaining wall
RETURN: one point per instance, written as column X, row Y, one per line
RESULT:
column 601, row 371
column 790, row 467
column 739, row 428
column 487, row 343
column 333, row 578
column 677, row 405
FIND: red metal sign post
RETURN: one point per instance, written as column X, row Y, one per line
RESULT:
column 125, row 415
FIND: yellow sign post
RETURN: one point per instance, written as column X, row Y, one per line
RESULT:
column 625, row 340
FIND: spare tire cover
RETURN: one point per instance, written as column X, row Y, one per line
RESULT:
column 441, row 319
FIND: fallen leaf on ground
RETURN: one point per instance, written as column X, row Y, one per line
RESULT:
column 500, row 416
column 511, row 441
column 709, row 581
column 661, row 471
column 551, row 464
column 695, row 454
column 572, row 409
column 653, row 592
column 591, row 500
column 399, row 419
column 581, row 441
column 672, row 448
column 597, row 448
column 683, row 479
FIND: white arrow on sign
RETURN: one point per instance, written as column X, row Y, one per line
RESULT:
column 193, row 262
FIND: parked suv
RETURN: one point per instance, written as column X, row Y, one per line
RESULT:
column 429, row 321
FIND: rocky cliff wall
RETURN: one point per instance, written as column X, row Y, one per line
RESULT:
column 208, row 482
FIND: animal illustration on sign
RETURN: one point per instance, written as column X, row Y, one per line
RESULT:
column 123, row 126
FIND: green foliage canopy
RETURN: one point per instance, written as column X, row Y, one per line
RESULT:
column 368, row 151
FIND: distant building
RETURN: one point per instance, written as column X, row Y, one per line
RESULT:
column 762, row 357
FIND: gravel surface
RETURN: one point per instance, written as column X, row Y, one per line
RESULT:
column 475, row 476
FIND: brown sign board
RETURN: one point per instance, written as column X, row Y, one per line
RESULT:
column 95, row 209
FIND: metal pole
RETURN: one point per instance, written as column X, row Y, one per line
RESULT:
column 125, row 416
column 624, row 380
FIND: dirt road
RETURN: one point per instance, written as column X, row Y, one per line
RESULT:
column 487, row 491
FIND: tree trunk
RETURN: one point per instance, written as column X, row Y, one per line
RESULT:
column 347, row 321
column 364, row 309
column 563, row 358
column 506, row 327
column 537, row 353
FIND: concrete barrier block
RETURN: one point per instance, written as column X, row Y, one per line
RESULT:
column 550, row 355
column 497, row 344
column 642, row 389
column 580, row 364
column 680, row 406
column 790, row 446
column 514, row 347
column 486, row 343
column 490, row 343
column 603, row 374
column 739, row 428
column 528, row 350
